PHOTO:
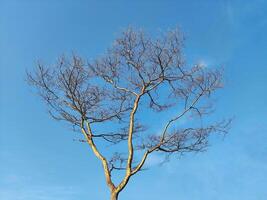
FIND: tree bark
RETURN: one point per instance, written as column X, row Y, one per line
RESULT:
column 114, row 196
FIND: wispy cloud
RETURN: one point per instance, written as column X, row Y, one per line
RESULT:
column 236, row 13
column 17, row 187
column 154, row 160
column 52, row 192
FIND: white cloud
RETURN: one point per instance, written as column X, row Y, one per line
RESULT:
column 202, row 63
column 154, row 159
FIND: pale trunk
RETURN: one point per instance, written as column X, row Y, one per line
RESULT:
column 114, row 196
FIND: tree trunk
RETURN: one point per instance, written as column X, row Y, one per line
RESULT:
column 114, row 196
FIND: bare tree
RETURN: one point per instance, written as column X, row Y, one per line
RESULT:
column 106, row 100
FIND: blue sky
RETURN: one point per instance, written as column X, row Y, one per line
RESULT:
column 40, row 161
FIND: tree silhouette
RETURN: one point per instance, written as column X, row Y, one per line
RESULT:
column 108, row 99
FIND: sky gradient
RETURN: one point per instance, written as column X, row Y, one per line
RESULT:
column 39, row 159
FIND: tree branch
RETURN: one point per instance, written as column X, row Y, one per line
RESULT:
column 88, row 135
